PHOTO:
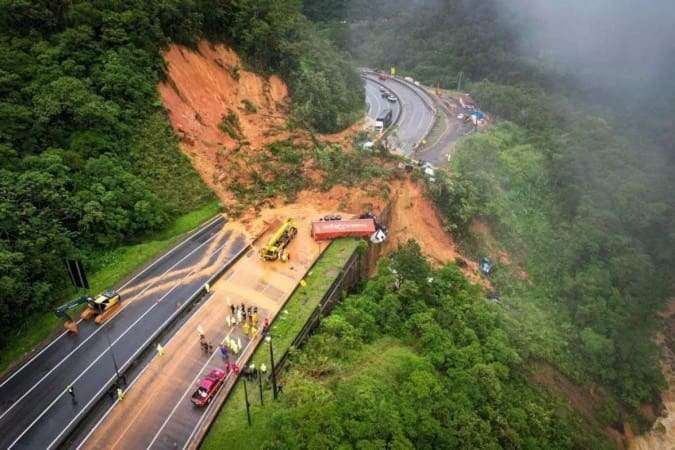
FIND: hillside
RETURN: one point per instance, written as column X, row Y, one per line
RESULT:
column 89, row 161
column 570, row 183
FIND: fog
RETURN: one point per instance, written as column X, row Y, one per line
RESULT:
column 613, row 44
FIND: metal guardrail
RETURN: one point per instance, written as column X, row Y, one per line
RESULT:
column 329, row 299
column 110, row 383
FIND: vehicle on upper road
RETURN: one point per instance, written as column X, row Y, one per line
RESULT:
column 383, row 89
column 382, row 77
column 385, row 93
column 208, row 388
column 385, row 118
column 103, row 306
column 392, row 99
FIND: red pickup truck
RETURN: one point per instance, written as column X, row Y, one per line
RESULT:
column 208, row 387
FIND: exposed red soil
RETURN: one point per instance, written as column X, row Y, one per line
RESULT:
column 414, row 217
column 203, row 86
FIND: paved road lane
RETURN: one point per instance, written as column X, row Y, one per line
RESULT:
column 36, row 410
column 157, row 412
column 416, row 116
column 376, row 104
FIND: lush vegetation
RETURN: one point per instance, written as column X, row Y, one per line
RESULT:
column 113, row 265
column 286, row 167
column 88, row 160
column 284, row 330
column 418, row 359
column 577, row 189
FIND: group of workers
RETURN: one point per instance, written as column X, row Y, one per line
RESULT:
column 248, row 318
column 242, row 315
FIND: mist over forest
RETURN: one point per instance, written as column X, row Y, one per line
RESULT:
column 576, row 177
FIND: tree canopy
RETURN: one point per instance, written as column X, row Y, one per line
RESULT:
column 87, row 158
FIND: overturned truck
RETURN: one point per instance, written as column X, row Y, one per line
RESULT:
column 365, row 227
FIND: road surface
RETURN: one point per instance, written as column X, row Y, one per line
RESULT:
column 377, row 105
column 156, row 412
column 37, row 412
column 416, row 115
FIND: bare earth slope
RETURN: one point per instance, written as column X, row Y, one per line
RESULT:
column 204, row 86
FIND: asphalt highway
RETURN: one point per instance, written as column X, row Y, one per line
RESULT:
column 156, row 412
column 416, row 115
column 377, row 105
column 36, row 410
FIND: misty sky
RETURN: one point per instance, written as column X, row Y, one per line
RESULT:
column 602, row 40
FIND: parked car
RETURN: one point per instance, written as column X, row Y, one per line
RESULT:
column 392, row 99
column 385, row 94
column 208, row 387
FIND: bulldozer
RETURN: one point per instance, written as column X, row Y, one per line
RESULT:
column 275, row 249
column 102, row 307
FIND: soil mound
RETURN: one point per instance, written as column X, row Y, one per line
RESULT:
column 217, row 107
column 414, row 217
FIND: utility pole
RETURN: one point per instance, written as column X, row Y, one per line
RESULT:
column 274, row 372
column 112, row 353
column 460, row 75
column 248, row 405
column 262, row 402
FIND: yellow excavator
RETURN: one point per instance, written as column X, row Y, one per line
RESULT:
column 275, row 249
column 102, row 307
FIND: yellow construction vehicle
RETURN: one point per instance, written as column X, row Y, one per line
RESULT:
column 276, row 246
column 102, row 307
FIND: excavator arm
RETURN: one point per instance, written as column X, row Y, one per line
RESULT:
column 62, row 312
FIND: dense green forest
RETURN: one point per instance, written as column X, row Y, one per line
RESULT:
column 87, row 158
column 575, row 183
column 417, row 359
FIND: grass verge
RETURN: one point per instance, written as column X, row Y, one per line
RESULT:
column 231, row 423
column 113, row 266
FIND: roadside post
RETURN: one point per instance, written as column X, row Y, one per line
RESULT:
column 268, row 338
column 248, row 405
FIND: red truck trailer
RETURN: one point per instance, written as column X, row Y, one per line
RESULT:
column 331, row 229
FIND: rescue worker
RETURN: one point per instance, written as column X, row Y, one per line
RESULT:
column 71, row 391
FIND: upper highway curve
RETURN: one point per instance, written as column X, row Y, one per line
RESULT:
column 417, row 114
column 36, row 411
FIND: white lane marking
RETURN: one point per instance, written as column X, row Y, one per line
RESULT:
column 99, row 329
column 141, row 373
column 201, row 228
column 190, row 388
column 76, row 418
column 101, row 355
